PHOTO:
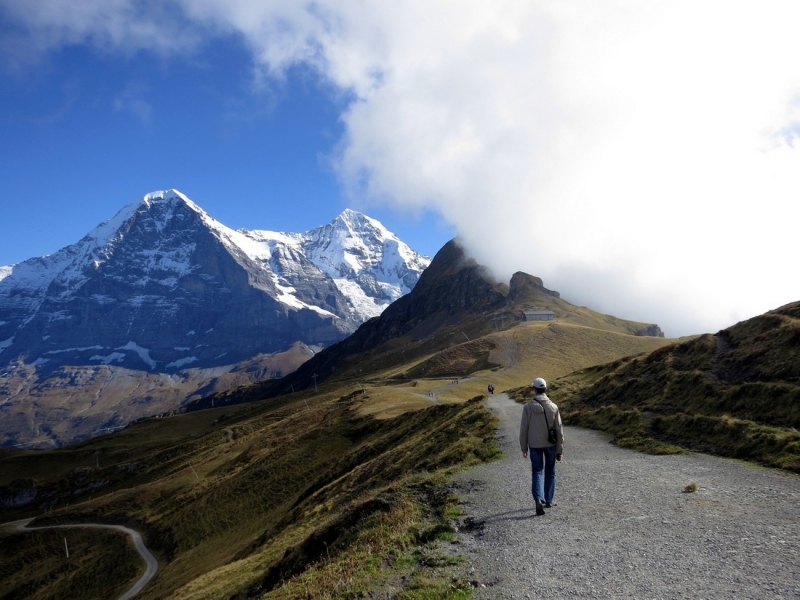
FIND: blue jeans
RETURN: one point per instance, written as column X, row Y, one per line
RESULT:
column 543, row 459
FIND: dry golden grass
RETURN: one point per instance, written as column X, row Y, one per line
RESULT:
column 524, row 352
column 389, row 402
column 527, row 351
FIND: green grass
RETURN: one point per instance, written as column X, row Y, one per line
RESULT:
column 735, row 394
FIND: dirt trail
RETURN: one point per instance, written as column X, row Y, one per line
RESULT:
column 623, row 526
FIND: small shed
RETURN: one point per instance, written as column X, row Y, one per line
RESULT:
column 538, row 315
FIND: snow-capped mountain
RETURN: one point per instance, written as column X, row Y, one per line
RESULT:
column 163, row 286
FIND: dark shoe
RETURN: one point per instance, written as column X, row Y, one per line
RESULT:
column 539, row 507
column 550, row 505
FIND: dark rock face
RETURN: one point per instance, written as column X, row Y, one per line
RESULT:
column 650, row 330
column 524, row 285
column 452, row 283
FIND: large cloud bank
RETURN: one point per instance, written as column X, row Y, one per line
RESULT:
column 639, row 156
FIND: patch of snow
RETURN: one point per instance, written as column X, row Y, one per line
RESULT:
column 182, row 348
column 84, row 349
column 191, row 332
column 40, row 361
column 6, row 343
column 143, row 353
column 60, row 315
column 6, row 271
column 392, row 291
column 209, row 330
column 45, row 338
column 151, row 299
column 3, row 323
column 181, row 361
column 286, row 296
column 274, row 237
column 362, row 304
column 114, row 356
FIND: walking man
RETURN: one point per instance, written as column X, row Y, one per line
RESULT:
column 541, row 433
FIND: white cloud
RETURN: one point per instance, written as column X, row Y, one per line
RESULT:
column 639, row 156
column 110, row 25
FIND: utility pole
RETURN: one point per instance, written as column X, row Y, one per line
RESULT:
column 66, row 548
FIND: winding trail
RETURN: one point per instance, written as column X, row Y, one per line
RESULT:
column 623, row 527
column 150, row 560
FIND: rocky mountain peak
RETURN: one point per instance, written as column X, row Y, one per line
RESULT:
column 162, row 301
column 162, row 276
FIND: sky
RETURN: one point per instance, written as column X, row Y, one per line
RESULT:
column 640, row 156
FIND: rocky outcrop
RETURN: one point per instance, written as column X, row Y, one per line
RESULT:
column 651, row 331
column 523, row 286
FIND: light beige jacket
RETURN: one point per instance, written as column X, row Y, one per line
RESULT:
column 533, row 428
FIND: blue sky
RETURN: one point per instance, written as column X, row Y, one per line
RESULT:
column 642, row 158
column 83, row 133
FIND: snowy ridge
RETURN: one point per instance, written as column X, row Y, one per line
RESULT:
column 162, row 266
column 370, row 265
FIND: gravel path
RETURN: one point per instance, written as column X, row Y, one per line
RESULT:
column 622, row 527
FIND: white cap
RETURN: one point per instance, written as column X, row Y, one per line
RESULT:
column 539, row 384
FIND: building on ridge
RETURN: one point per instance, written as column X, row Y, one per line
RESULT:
column 538, row 315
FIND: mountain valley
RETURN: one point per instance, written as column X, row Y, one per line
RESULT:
column 334, row 486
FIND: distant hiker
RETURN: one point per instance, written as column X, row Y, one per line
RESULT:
column 491, row 389
column 541, row 433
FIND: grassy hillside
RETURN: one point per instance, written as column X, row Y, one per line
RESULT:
column 330, row 492
column 258, row 497
column 736, row 393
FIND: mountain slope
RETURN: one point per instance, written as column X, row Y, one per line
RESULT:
column 306, row 493
column 735, row 393
column 455, row 301
column 163, row 285
column 168, row 301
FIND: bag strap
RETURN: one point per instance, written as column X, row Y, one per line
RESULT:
column 544, row 410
